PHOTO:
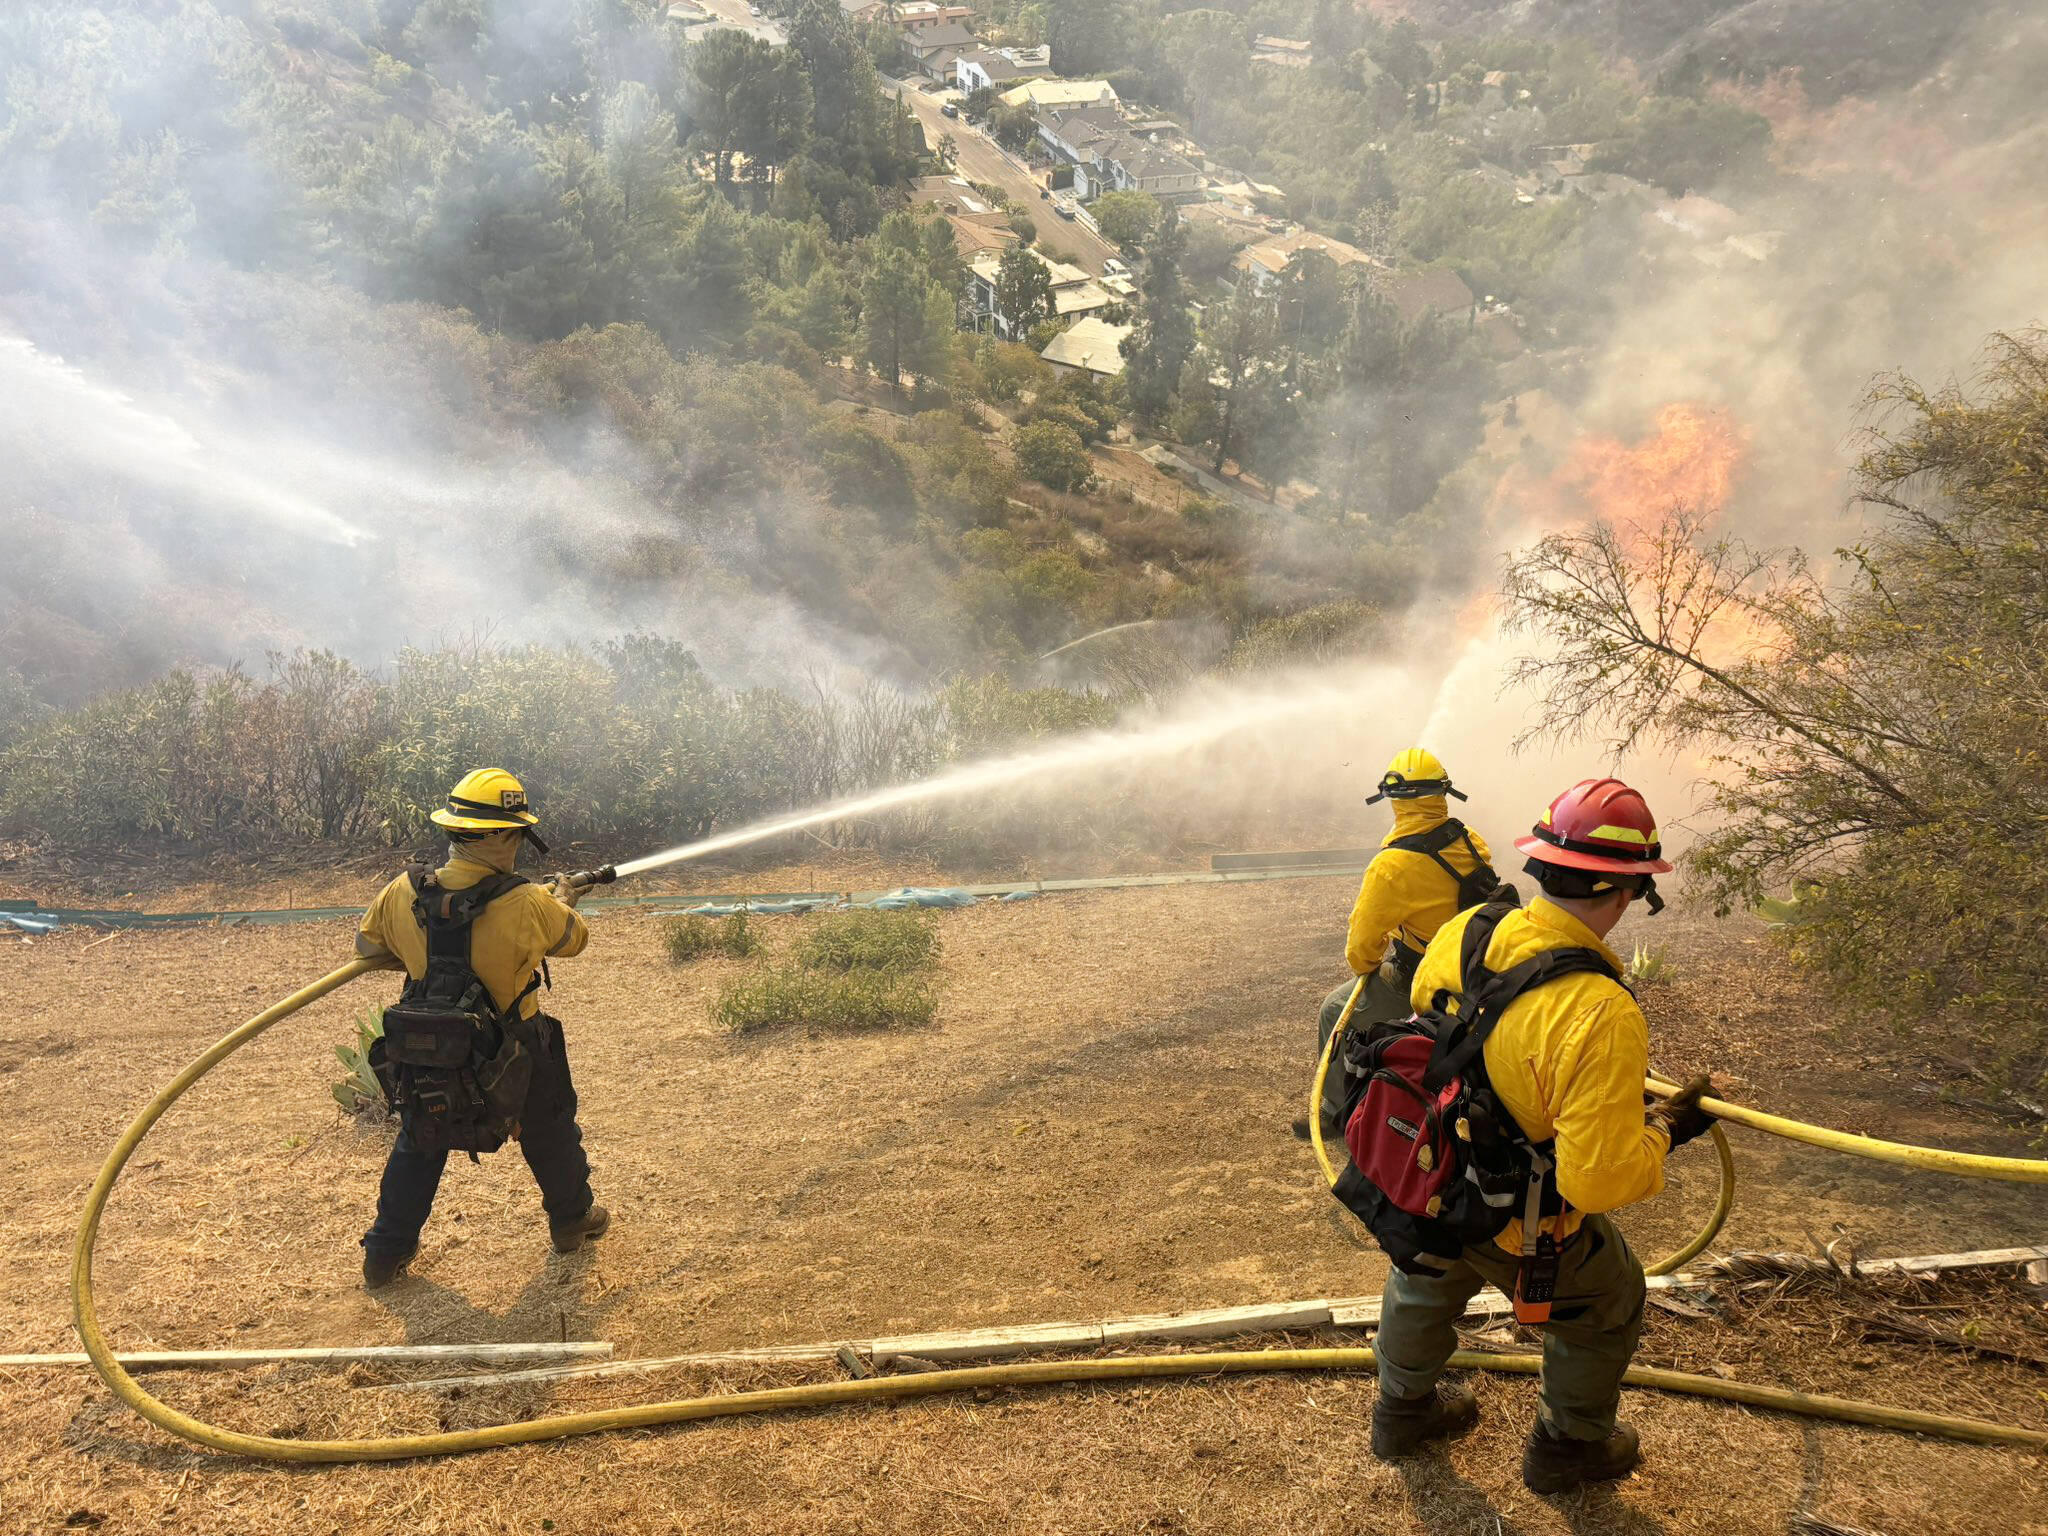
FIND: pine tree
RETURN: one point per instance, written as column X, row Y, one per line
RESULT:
column 892, row 310
column 1023, row 291
column 1157, row 351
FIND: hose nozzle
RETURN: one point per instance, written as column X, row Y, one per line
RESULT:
column 584, row 879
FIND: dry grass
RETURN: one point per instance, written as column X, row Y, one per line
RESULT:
column 1095, row 1124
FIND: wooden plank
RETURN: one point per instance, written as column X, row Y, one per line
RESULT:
column 200, row 1359
column 1937, row 1263
column 1364, row 1311
column 1215, row 1322
column 775, row 1354
column 1308, row 858
column 990, row 1343
column 1218, row 1322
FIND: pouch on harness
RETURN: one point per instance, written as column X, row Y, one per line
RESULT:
column 1437, row 1162
column 455, row 1068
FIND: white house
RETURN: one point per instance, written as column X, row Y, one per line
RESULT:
column 1089, row 345
column 1042, row 93
column 1074, row 292
column 989, row 68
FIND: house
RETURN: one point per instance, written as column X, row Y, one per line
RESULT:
column 982, row 69
column 1265, row 262
column 936, row 49
column 1127, row 164
column 1074, row 292
column 1089, row 345
column 920, row 15
column 1071, row 132
column 975, row 234
column 1286, row 52
column 864, row 10
column 977, row 227
column 1107, row 157
column 1239, row 228
column 1436, row 292
column 1041, row 93
column 1256, row 196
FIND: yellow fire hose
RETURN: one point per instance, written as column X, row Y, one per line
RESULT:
column 1028, row 1373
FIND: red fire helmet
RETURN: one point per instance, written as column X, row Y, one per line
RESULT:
column 1597, row 824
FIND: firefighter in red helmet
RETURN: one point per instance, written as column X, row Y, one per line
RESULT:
column 1567, row 1060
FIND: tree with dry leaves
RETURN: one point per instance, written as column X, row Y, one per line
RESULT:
column 1875, row 738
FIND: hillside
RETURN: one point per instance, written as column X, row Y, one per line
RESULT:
column 1839, row 47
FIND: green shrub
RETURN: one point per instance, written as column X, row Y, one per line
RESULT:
column 359, row 1092
column 1054, row 455
column 870, row 941
column 692, row 938
column 847, row 1001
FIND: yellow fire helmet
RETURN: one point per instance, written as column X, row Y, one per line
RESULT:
column 489, row 800
column 1412, row 774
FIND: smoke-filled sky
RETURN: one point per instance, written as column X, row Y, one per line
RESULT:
column 208, row 460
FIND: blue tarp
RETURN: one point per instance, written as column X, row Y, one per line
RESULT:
column 761, row 908
column 29, row 922
column 922, row 896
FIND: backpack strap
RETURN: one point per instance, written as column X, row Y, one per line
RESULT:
column 448, row 919
column 1487, row 993
column 1431, row 845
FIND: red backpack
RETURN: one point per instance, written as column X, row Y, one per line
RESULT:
column 1437, row 1162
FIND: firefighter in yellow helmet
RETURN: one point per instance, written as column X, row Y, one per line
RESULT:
column 1430, row 867
column 468, row 1058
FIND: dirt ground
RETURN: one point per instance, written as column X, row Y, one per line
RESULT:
column 1096, row 1125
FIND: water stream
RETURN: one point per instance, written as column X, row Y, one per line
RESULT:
column 1220, row 714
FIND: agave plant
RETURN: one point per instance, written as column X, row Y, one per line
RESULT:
column 359, row 1092
column 1649, row 963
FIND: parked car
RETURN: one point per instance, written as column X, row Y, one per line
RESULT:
column 1064, row 209
column 949, row 110
column 1111, row 267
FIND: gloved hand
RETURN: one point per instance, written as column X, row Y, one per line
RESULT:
column 1680, row 1115
column 564, row 890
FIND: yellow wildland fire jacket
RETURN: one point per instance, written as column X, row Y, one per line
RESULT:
column 507, row 943
column 1567, row 1060
column 1405, row 896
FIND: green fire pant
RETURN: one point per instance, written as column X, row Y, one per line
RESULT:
column 1384, row 998
column 1587, row 1344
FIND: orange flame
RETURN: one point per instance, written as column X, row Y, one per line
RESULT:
column 1691, row 461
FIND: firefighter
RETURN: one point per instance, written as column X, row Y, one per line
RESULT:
column 1428, row 869
column 1567, row 1060
column 511, row 937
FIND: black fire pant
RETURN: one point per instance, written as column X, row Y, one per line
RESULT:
column 549, row 1139
column 1385, row 997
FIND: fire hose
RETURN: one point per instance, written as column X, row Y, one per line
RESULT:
column 128, row 1390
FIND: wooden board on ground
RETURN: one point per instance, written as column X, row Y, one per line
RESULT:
column 372, row 1354
column 1209, row 1323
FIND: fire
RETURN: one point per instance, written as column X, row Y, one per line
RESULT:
column 1690, row 461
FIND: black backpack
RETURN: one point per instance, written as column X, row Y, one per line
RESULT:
column 453, row 1066
column 1477, row 889
column 1437, row 1162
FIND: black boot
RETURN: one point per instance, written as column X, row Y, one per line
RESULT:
column 1403, row 1425
column 380, row 1269
column 570, row 1235
column 1300, row 1127
column 1554, row 1463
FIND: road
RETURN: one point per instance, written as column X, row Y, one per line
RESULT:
column 977, row 158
